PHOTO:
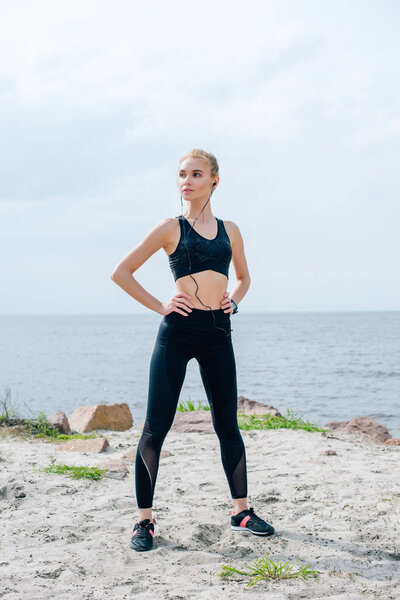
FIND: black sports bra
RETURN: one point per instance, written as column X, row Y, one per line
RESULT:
column 215, row 254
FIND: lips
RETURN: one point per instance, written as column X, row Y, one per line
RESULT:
column 187, row 190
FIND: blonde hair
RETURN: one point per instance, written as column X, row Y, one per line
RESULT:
column 197, row 153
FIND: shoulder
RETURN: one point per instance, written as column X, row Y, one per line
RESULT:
column 167, row 224
column 162, row 230
column 231, row 225
column 167, row 231
column 232, row 229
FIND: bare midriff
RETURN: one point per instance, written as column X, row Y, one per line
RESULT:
column 212, row 286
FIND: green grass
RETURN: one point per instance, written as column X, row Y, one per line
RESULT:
column 37, row 426
column 289, row 421
column 264, row 568
column 186, row 406
column 41, row 428
column 93, row 473
column 253, row 421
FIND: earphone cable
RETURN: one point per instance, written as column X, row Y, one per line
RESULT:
column 190, row 263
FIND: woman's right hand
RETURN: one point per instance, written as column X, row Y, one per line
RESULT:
column 177, row 302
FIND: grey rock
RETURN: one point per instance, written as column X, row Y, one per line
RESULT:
column 365, row 426
column 254, row 407
column 60, row 421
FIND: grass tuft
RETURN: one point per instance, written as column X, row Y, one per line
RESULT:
column 289, row 421
column 35, row 426
column 93, row 473
column 253, row 421
column 40, row 427
column 188, row 405
column 264, row 568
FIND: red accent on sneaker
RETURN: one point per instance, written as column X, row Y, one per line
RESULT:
column 152, row 532
column 244, row 521
column 134, row 533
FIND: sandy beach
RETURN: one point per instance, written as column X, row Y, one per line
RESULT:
column 64, row 538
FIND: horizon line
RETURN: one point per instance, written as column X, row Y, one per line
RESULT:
column 141, row 314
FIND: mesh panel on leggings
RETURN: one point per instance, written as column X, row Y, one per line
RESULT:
column 239, row 477
column 146, row 467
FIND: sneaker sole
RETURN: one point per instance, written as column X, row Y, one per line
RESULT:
column 237, row 528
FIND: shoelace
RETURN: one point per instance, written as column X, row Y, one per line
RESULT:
column 254, row 516
column 143, row 529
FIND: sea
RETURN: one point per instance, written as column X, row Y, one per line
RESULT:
column 322, row 366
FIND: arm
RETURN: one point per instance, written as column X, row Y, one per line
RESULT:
column 243, row 279
column 122, row 275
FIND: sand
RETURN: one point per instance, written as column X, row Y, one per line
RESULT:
column 70, row 538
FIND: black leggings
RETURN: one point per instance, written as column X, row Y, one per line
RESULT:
column 179, row 339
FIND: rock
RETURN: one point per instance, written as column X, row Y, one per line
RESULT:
column 116, row 417
column 365, row 426
column 368, row 427
column 193, row 421
column 258, row 408
column 335, row 425
column 330, row 452
column 60, row 421
column 392, row 442
column 93, row 445
column 116, row 468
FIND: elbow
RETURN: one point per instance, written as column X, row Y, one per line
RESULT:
column 114, row 275
column 118, row 273
column 246, row 279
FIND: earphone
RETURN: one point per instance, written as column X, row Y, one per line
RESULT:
column 190, row 262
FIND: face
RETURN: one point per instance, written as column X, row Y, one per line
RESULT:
column 194, row 179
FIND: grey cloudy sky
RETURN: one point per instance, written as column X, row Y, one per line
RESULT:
column 299, row 101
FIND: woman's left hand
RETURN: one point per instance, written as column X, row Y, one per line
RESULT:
column 227, row 304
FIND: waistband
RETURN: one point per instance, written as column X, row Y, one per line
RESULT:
column 200, row 316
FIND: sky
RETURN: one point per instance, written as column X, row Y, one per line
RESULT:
column 299, row 102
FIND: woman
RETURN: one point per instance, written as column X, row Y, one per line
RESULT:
column 196, row 243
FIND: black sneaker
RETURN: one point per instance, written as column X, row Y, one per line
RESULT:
column 247, row 520
column 142, row 536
